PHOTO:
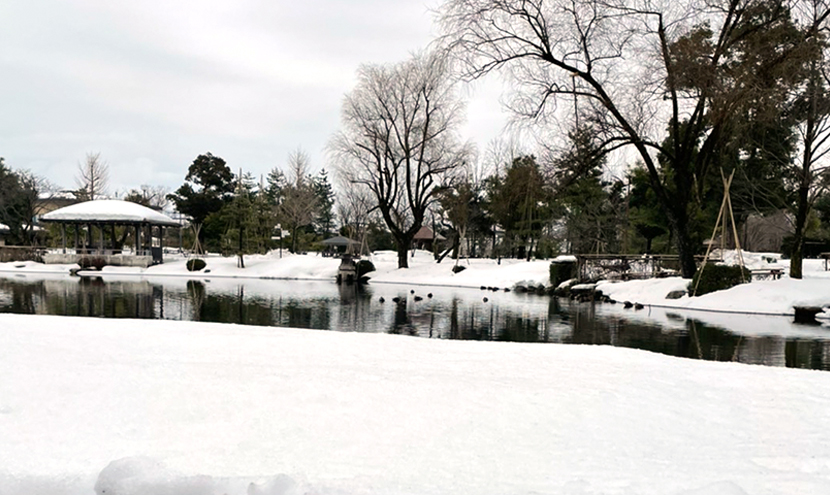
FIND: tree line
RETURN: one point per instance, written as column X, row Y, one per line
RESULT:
column 639, row 106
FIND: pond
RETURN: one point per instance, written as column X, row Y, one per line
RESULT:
column 430, row 312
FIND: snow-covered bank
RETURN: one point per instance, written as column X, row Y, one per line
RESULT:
column 765, row 297
column 423, row 269
column 194, row 408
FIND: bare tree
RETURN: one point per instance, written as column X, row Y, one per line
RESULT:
column 299, row 204
column 674, row 81
column 354, row 208
column 92, row 178
column 812, row 108
column 150, row 196
column 399, row 140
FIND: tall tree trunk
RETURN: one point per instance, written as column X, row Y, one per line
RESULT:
column 679, row 226
column 797, row 255
column 294, row 240
column 403, row 252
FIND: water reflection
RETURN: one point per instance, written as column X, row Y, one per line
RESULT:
column 450, row 314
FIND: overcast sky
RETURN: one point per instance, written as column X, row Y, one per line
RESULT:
column 152, row 84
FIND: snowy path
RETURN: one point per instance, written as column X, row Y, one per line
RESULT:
column 351, row 413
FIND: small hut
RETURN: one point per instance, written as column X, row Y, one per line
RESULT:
column 425, row 238
column 144, row 224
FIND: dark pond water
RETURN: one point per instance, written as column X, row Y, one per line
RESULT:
column 449, row 314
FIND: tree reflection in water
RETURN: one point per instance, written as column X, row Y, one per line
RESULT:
column 452, row 314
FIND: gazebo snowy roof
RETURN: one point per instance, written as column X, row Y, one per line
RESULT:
column 108, row 211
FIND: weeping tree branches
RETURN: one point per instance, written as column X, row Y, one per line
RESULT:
column 398, row 140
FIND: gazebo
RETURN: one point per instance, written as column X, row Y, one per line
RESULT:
column 105, row 215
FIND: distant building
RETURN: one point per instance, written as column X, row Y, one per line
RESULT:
column 51, row 202
column 766, row 233
column 425, row 238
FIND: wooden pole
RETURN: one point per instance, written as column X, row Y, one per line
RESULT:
column 734, row 227
column 726, row 185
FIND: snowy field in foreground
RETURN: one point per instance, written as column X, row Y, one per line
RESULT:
column 163, row 408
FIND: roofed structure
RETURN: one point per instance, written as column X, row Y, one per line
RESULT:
column 109, row 211
column 106, row 214
column 425, row 238
column 333, row 245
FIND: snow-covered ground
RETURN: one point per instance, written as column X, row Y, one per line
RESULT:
column 159, row 407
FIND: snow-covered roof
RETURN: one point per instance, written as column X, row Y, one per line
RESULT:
column 108, row 210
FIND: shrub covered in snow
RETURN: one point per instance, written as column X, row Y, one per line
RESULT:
column 195, row 264
column 717, row 277
column 364, row 267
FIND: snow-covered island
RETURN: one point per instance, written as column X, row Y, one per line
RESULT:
column 160, row 407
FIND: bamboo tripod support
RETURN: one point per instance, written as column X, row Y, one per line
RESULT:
column 725, row 209
column 197, row 246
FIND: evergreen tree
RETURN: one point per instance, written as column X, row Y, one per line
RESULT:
column 19, row 193
column 591, row 206
column 208, row 186
column 324, row 222
column 521, row 204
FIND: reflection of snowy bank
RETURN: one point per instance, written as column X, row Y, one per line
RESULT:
column 767, row 340
column 203, row 409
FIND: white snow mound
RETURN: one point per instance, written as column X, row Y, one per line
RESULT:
column 143, row 476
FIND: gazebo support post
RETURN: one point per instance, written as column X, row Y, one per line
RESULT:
column 88, row 247
column 75, row 226
column 137, row 240
column 101, row 239
column 63, row 237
